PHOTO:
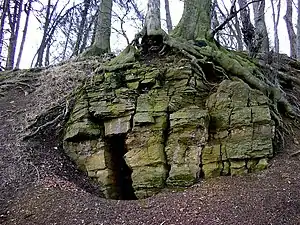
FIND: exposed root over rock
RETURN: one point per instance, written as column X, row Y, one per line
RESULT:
column 230, row 65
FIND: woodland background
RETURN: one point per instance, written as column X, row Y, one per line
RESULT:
column 45, row 32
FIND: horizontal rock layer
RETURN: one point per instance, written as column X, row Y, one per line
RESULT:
column 166, row 129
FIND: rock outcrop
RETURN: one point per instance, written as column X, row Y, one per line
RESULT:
column 139, row 130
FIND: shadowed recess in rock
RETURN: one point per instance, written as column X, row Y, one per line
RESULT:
column 121, row 173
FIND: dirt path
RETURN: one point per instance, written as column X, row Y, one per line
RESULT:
column 15, row 170
column 39, row 186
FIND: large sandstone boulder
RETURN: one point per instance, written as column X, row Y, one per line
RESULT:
column 145, row 129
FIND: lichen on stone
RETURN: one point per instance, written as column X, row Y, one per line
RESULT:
column 174, row 132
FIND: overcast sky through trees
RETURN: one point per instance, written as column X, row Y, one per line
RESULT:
column 118, row 42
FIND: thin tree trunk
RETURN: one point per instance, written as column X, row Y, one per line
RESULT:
column 261, row 34
column 239, row 36
column 289, row 25
column 85, row 38
column 168, row 16
column 298, row 31
column 95, row 23
column 247, row 28
column 275, row 23
column 27, row 10
column 87, row 34
column 14, row 26
column 82, row 25
column 2, row 23
column 47, row 57
column 67, row 38
column 40, row 55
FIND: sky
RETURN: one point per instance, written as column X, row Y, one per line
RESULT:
column 176, row 8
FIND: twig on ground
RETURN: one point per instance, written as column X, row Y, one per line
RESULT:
column 37, row 172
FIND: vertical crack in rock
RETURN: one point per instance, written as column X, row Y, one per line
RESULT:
column 138, row 131
column 166, row 136
column 121, row 173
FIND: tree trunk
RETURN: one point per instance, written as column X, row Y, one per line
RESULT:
column 95, row 24
column 103, row 32
column 189, row 26
column 82, row 26
column 247, row 28
column 2, row 23
column 153, row 24
column 14, row 29
column 67, row 38
column 239, row 36
column 27, row 11
column 39, row 61
column 275, row 23
column 261, row 34
column 168, row 16
column 47, row 56
column 298, row 31
column 289, row 25
column 87, row 34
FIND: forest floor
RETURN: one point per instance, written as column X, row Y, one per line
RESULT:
column 39, row 185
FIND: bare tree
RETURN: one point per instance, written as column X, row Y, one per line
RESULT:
column 27, row 10
column 168, row 16
column 261, row 34
column 82, row 26
column 52, row 21
column 275, row 18
column 14, row 24
column 298, row 31
column 289, row 25
column 231, row 35
column 46, row 26
column 247, row 27
column 4, row 12
column 101, row 42
column 67, row 36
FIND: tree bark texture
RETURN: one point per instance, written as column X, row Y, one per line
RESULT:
column 261, row 34
column 275, row 23
column 168, row 16
column 289, row 25
column 2, row 23
column 239, row 36
column 195, row 21
column 298, row 31
column 247, row 27
column 153, row 24
column 103, row 32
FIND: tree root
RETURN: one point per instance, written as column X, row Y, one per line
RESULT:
column 42, row 119
column 232, row 65
column 125, row 60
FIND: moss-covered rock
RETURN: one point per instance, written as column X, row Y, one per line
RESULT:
column 170, row 128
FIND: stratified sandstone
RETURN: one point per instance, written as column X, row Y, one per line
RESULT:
column 149, row 127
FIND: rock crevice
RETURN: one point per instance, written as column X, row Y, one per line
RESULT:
column 155, row 126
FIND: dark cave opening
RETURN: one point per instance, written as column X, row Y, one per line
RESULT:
column 121, row 172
